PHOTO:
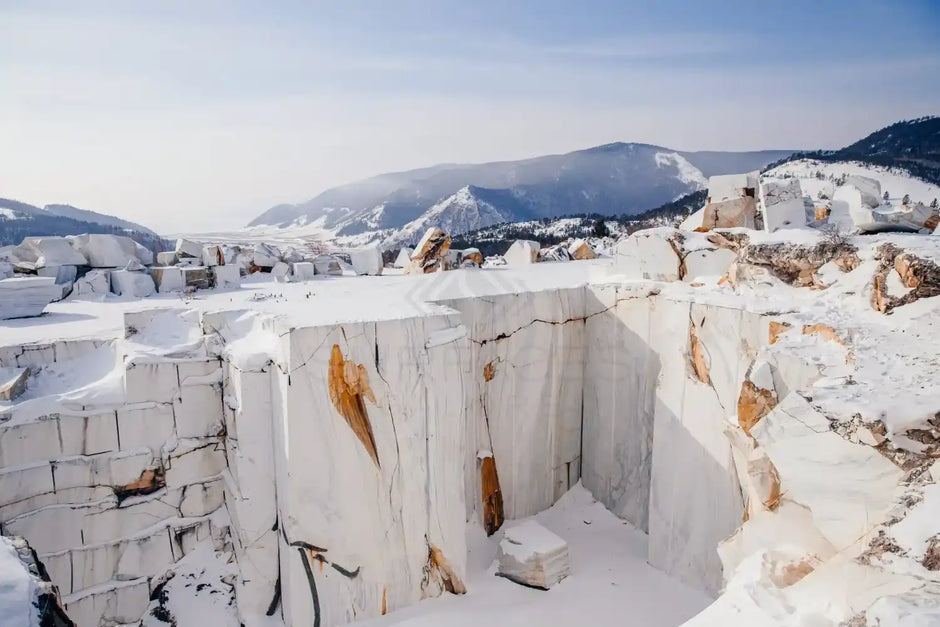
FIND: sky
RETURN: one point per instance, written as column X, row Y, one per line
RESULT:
column 198, row 116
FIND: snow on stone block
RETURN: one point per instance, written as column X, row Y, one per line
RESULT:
column 694, row 221
column 48, row 251
column 648, row 255
column 869, row 189
column 471, row 256
column 25, row 598
column 327, row 264
column 187, row 248
column 707, row 262
column 227, row 276
column 169, row 279
column 133, row 284
column 265, row 256
column 782, row 204
column 168, row 258
column 522, row 252
column 110, row 251
column 302, row 271
column 12, row 382
column 120, row 603
column 726, row 187
column 366, row 260
column 150, row 381
column 26, row 297
column 579, row 249
column 533, row 556
column 95, row 282
column 213, row 255
column 29, row 442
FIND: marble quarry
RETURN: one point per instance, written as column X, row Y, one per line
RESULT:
column 726, row 393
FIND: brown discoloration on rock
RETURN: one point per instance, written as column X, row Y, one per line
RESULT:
column 820, row 213
column 676, row 244
column 731, row 241
column 384, row 601
column 431, row 254
column 349, row 389
column 847, row 261
column 921, row 276
column 697, row 354
column 773, row 499
column 440, row 567
column 793, row 572
column 753, row 404
column 823, row 331
column 492, row 496
column 489, row 371
column 932, row 222
column 474, row 256
column 149, row 482
column 932, row 556
column 775, row 329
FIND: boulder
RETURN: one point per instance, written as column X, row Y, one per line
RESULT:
column 110, row 251
column 726, row 187
column 471, row 255
column 649, row 254
column 558, row 252
column 580, row 249
column 430, row 255
column 366, row 260
column 912, row 218
column 403, row 260
column 213, row 255
column 196, row 277
column 291, row 255
column 533, row 556
column 782, row 204
column 189, row 249
column 522, row 252
column 130, row 283
column 48, row 251
column 169, row 279
column 694, row 221
column 868, row 188
column 228, row 275
column 327, row 264
column 302, row 271
column 94, row 282
column 168, row 258
column 265, row 256
column 26, row 297
column 12, row 382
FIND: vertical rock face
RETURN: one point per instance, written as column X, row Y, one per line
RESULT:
column 430, row 255
column 370, row 500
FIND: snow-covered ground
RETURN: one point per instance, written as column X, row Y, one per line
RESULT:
column 610, row 582
column 895, row 182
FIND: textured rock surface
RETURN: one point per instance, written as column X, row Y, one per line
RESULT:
column 532, row 555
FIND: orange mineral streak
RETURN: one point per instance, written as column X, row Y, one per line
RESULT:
column 349, row 389
column 698, row 356
column 384, row 603
column 492, row 496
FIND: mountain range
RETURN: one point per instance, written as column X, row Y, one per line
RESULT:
column 614, row 179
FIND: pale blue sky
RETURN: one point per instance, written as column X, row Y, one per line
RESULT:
column 200, row 115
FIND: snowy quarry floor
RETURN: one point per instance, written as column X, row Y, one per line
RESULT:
column 610, row 583
column 331, row 455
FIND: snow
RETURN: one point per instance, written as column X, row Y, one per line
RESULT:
column 687, row 173
column 18, row 589
column 610, row 580
column 9, row 214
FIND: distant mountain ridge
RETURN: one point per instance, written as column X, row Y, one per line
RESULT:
column 19, row 220
column 613, row 179
column 909, row 145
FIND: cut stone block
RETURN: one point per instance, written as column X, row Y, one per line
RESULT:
column 48, row 251
column 327, row 264
column 303, row 271
column 532, row 555
column 280, row 271
column 403, row 260
column 196, row 277
column 213, row 255
column 168, row 258
column 63, row 275
column 12, row 382
column 169, row 279
column 27, row 297
column 227, row 275
column 133, row 284
column 110, row 251
column 265, row 256
column 430, row 255
column 782, row 204
column 151, row 381
column 579, row 249
column 522, row 252
column 95, row 282
column 187, row 248
column 366, row 260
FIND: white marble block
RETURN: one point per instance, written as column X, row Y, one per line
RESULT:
column 366, row 260
column 522, row 252
column 110, row 251
column 533, row 556
column 27, row 297
column 227, row 276
column 133, row 284
column 169, row 279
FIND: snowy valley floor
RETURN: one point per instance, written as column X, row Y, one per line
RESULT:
column 610, row 581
